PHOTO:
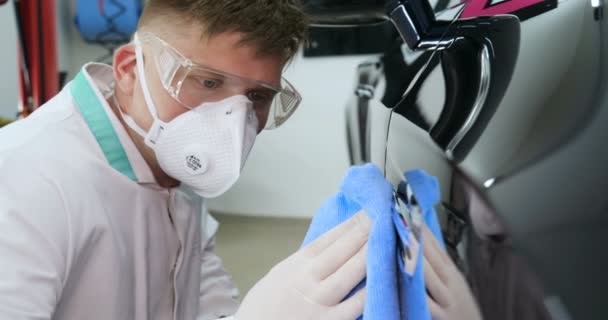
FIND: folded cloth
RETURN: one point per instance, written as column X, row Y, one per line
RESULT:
column 391, row 292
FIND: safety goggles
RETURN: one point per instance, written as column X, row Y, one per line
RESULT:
column 192, row 84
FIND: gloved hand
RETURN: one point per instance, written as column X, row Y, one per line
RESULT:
column 312, row 283
column 448, row 294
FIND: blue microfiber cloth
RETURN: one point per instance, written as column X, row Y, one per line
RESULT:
column 391, row 292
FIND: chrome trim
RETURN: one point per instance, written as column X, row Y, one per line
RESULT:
column 437, row 44
column 365, row 91
column 405, row 25
column 598, row 9
column 482, row 95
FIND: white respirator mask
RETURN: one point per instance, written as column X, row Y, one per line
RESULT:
column 204, row 148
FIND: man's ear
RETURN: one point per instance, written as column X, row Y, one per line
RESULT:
column 125, row 68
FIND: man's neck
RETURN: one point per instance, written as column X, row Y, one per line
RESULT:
column 161, row 177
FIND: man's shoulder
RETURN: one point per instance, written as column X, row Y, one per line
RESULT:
column 26, row 190
column 50, row 139
column 40, row 128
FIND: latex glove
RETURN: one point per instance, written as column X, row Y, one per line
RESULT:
column 312, row 283
column 448, row 294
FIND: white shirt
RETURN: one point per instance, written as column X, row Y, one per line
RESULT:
column 85, row 231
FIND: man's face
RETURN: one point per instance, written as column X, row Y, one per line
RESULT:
column 222, row 52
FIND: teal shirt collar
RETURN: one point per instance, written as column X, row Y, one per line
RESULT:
column 100, row 125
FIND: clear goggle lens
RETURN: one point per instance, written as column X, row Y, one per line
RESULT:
column 193, row 84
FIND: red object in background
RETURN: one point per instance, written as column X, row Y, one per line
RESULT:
column 39, row 79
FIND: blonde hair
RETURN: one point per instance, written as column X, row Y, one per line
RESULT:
column 274, row 27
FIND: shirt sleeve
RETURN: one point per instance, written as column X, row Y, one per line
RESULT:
column 218, row 294
column 34, row 246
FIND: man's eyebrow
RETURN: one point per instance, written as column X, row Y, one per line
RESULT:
column 263, row 90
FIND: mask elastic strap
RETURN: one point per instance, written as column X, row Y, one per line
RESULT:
column 139, row 55
column 127, row 118
column 151, row 137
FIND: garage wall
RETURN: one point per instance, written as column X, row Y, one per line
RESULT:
column 8, row 62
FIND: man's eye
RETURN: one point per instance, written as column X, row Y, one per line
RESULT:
column 256, row 96
column 210, row 84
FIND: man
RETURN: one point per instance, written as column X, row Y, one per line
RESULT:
column 92, row 223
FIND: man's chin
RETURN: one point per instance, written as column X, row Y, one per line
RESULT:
column 166, row 181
